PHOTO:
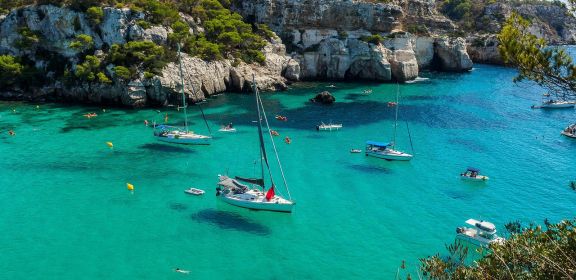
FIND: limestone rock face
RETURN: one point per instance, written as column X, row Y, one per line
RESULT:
column 452, row 54
column 322, row 14
column 402, row 58
column 484, row 49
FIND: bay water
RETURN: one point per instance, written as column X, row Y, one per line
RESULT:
column 67, row 214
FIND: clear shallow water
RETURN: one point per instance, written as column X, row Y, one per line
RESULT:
column 67, row 214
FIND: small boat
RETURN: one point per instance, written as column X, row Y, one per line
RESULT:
column 181, row 135
column 256, row 196
column 281, row 118
column 471, row 174
column 482, row 233
column 90, row 115
column 388, row 151
column 549, row 103
column 287, row 140
column 392, row 104
column 367, row 91
column 328, row 127
column 355, row 151
column 194, row 191
column 176, row 135
column 570, row 131
column 274, row 133
column 227, row 128
column 385, row 151
column 331, row 86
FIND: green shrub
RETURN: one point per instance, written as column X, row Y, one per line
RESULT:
column 10, row 70
column 103, row 78
column 28, row 38
column 88, row 69
column 122, row 72
column 144, row 24
column 373, row 39
column 82, row 42
column 148, row 75
column 95, row 15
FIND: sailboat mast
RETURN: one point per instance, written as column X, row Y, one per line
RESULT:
column 271, row 140
column 261, row 143
column 396, row 114
column 182, row 88
column 260, row 110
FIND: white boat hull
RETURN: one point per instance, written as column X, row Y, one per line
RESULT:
column 478, row 178
column 258, row 205
column 328, row 127
column 185, row 140
column 227, row 130
column 390, row 155
column 568, row 134
column 478, row 241
column 558, row 105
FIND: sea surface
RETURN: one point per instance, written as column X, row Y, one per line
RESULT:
column 67, row 214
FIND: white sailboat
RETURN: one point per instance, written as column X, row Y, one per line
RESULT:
column 177, row 135
column 251, row 193
column 328, row 127
column 387, row 151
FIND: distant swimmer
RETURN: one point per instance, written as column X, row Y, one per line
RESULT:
column 274, row 133
column 287, row 140
column 146, row 122
column 166, row 118
column 181, row 271
column 11, row 132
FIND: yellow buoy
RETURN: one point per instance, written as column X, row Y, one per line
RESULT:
column 110, row 144
column 129, row 186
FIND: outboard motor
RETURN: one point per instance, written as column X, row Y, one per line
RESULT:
column 218, row 191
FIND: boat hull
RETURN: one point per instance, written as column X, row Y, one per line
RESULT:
column 557, row 105
column 390, row 156
column 478, row 178
column 567, row 134
column 328, row 127
column 185, row 140
column 264, row 206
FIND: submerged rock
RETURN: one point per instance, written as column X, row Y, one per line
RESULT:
column 324, row 97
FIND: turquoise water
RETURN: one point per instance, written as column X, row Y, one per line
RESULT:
column 67, row 213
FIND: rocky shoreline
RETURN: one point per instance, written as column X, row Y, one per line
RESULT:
column 319, row 42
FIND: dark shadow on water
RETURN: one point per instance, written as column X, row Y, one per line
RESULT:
column 169, row 148
column 368, row 168
column 229, row 221
column 472, row 145
column 180, row 207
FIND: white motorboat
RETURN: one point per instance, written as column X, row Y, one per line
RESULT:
column 255, row 196
column 482, row 233
column 472, row 174
column 235, row 193
column 570, row 131
column 557, row 104
column 328, row 127
column 194, row 191
column 387, row 151
column 178, row 135
column 384, row 151
column 355, row 151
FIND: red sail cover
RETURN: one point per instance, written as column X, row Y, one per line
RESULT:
column 270, row 193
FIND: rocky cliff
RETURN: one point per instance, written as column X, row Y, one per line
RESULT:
column 331, row 38
column 56, row 28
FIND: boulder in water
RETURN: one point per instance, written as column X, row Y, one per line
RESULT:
column 324, row 98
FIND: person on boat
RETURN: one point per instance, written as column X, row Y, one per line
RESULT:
column 274, row 133
column 229, row 126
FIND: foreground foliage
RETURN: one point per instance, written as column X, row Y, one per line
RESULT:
column 531, row 253
column 550, row 67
